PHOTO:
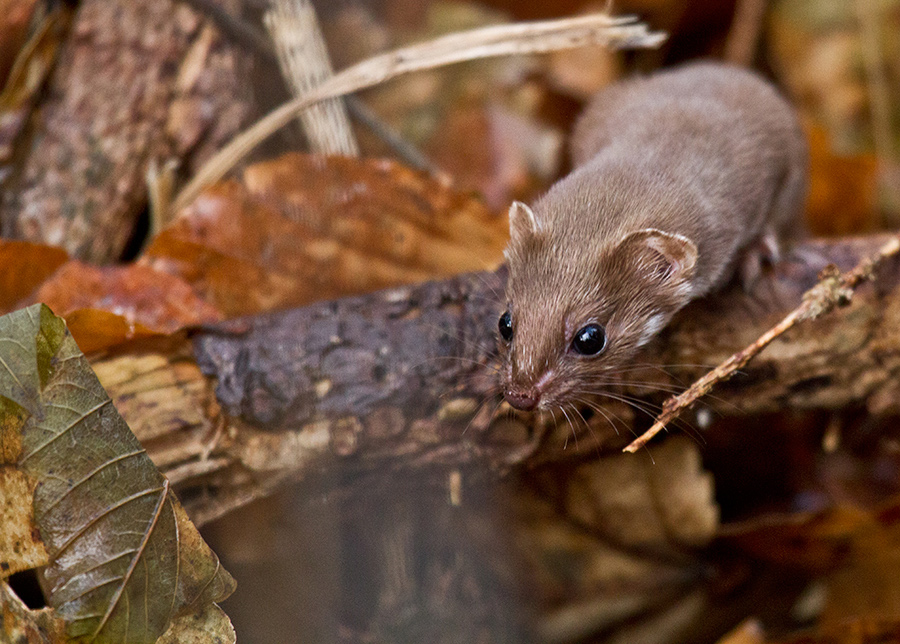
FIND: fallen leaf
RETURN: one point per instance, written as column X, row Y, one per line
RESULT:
column 863, row 591
column 843, row 189
column 666, row 502
column 124, row 558
column 21, row 625
column 610, row 540
column 812, row 542
column 20, row 546
column 108, row 305
column 23, row 267
column 210, row 626
column 304, row 228
column 749, row 632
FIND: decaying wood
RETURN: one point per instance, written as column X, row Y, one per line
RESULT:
column 395, row 381
column 135, row 81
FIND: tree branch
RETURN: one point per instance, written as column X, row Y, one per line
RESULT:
column 338, row 392
column 833, row 290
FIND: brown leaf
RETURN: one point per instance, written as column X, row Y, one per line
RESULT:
column 863, row 591
column 104, row 306
column 303, row 228
column 124, row 560
column 211, row 626
column 814, row 542
column 843, row 189
column 23, row 267
column 749, row 632
column 21, row 625
column 496, row 152
column 20, row 545
column 617, row 511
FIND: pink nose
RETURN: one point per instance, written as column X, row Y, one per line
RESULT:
column 522, row 399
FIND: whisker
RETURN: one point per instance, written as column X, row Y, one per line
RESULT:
column 484, row 282
column 652, row 411
column 572, row 427
column 485, row 401
column 587, row 426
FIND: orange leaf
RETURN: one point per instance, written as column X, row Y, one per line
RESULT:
column 104, row 306
column 843, row 189
column 23, row 267
column 303, row 228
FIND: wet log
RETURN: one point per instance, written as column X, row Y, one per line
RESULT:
column 404, row 379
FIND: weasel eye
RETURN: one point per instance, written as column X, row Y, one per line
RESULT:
column 505, row 326
column 590, row 340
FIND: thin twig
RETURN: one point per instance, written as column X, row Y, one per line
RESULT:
column 248, row 37
column 408, row 153
column 503, row 40
column 834, row 289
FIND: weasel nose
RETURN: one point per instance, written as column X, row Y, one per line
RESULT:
column 521, row 399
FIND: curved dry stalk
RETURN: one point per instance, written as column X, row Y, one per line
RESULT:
column 305, row 64
column 502, row 40
column 834, row 289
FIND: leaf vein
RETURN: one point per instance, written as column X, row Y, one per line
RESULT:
column 115, row 600
column 43, row 445
column 89, row 475
column 106, row 512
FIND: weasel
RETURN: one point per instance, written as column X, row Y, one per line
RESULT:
column 680, row 179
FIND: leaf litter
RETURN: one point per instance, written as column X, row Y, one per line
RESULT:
column 122, row 558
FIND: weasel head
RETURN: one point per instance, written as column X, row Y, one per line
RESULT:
column 577, row 312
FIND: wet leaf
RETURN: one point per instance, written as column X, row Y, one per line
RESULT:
column 124, row 558
column 304, row 228
column 104, row 306
column 23, row 267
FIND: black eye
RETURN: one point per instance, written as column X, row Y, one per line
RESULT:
column 505, row 326
column 590, row 340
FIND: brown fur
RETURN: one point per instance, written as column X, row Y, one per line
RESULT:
column 708, row 157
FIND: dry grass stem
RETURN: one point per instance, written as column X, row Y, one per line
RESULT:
column 834, row 289
column 305, row 65
column 503, row 40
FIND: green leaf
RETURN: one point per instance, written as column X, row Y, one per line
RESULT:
column 124, row 558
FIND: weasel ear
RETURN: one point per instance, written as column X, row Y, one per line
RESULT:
column 522, row 221
column 660, row 255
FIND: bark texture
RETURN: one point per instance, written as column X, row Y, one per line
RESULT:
column 404, row 379
column 135, row 81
